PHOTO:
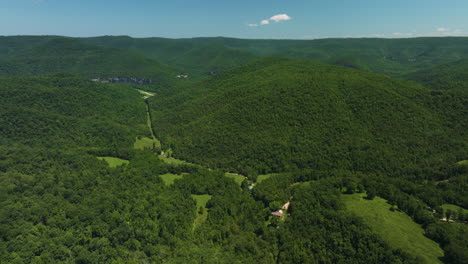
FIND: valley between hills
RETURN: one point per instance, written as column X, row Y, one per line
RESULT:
column 321, row 151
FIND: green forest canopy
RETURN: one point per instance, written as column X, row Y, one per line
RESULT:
column 328, row 129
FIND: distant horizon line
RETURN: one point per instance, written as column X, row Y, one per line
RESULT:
column 303, row 39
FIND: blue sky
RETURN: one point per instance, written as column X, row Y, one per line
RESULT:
column 293, row 19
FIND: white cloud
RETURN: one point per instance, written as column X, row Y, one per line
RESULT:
column 403, row 35
column 275, row 18
column 443, row 29
column 280, row 17
column 438, row 32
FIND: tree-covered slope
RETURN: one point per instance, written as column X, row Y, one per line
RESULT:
column 387, row 56
column 67, row 112
column 393, row 57
column 442, row 77
column 278, row 114
column 211, row 59
column 160, row 48
column 184, row 54
column 44, row 55
column 60, row 204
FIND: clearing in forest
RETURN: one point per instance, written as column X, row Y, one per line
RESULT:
column 263, row 177
column 114, row 162
column 146, row 94
column 202, row 211
column 237, row 177
column 143, row 143
column 395, row 227
column 454, row 208
column 169, row 178
column 172, row 161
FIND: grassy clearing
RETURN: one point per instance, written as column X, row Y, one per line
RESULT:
column 202, row 212
column 263, row 177
column 172, row 161
column 463, row 163
column 114, row 162
column 237, row 178
column 454, row 208
column 143, row 143
column 145, row 93
column 169, row 178
column 202, row 215
column 396, row 228
column 201, row 199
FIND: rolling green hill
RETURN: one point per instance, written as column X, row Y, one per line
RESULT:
column 201, row 56
column 393, row 57
column 44, row 55
column 277, row 114
column 211, row 59
column 63, row 111
column 452, row 75
column 187, row 55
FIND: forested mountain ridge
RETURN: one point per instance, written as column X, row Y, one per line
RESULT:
column 37, row 55
column 277, row 114
column 210, row 60
column 394, row 57
column 205, row 56
column 452, row 75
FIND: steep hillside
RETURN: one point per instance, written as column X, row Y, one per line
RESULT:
column 67, row 112
column 278, row 114
column 45, row 55
column 442, row 77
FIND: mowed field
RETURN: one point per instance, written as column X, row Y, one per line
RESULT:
column 143, row 143
column 169, row 178
column 396, row 228
column 114, row 162
column 454, row 208
column 237, row 177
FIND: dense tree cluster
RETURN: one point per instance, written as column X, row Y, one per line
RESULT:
column 69, row 111
column 451, row 75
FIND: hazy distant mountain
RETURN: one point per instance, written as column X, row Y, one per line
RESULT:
column 388, row 56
